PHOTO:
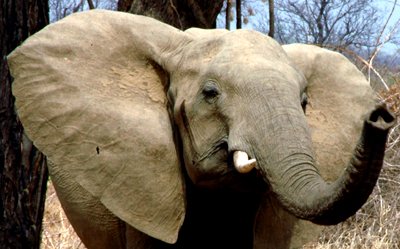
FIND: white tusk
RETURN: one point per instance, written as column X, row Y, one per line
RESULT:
column 242, row 162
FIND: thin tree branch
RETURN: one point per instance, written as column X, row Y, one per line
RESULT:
column 386, row 39
column 77, row 7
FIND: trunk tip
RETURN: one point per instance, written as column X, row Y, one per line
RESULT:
column 382, row 117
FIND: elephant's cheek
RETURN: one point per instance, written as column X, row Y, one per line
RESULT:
column 210, row 171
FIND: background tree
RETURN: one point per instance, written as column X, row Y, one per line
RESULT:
column 228, row 14
column 23, row 172
column 182, row 14
column 271, row 15
column 340, row 23
column 248, row 14
column 63, row 8
column 238, row 14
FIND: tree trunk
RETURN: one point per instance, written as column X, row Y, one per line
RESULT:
column 23, row 171
column 182, row 14
column 124, row 5
column 238, row 14
column 228, row 15
column 320, row 26
column 91, row 5
column 271, row 8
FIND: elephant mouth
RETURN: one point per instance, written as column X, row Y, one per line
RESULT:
column 216, row 169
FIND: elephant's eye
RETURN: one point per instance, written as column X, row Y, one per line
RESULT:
column 304, row 101
column 210, row 92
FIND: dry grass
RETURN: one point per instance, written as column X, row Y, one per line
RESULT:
column 57, row 231
column 376, row 225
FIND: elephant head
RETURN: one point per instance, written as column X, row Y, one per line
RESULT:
column 136, row 111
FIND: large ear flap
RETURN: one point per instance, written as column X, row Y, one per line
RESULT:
column 339, row 98
column 90, row 92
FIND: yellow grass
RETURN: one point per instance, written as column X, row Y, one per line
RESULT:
column 57, row 231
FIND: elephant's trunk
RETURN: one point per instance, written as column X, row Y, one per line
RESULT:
column 290, row 169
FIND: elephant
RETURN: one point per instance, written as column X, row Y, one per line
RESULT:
column 161, row 138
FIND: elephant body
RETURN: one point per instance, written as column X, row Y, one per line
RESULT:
column 158, row 138
column 211, row 222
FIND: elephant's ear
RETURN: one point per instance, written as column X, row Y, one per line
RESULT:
column 90, row 92
column 339, row 97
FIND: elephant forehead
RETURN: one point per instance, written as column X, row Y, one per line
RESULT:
column 232, row 46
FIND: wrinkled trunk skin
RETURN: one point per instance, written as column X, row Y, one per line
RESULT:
column 290, row 169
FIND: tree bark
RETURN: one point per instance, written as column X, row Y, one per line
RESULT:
column 91, row 5
column 23, row 171
column 228, row 14
column 124, row 5
column 238, row 14
column 271, row 8
column 182, row 14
